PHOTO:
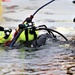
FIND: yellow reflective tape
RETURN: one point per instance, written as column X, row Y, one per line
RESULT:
column 30, row 36
column 2, row 39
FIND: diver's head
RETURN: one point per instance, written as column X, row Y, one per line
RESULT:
column 7, row 32
column 5, row 35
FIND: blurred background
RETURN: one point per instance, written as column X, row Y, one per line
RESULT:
column 52, row 59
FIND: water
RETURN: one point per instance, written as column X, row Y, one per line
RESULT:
column 52, row 59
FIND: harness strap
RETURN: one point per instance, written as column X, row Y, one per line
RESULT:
column 35, row 35
column 32, row 31
column 26, row 34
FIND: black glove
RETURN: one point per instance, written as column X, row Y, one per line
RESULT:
column 28, row 20
column 21, row 26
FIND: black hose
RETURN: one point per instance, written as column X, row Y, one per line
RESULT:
column 50, row 32
column 53, row 31
column 42, row 7
column 15, row 38
column 31, row 16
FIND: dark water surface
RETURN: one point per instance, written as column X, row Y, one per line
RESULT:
column 52, row 59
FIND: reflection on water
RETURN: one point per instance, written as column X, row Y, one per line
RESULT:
column 52, row 60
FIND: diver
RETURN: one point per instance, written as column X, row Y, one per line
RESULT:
column 5, row 34
column 29, row 36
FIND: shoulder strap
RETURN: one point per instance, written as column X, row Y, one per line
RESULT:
column 26, row 33
column 32, row 31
